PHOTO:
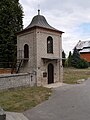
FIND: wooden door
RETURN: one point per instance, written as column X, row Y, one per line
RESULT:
column 50, row 73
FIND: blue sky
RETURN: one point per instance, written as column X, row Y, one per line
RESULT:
column 84, row 29
column 70, row 16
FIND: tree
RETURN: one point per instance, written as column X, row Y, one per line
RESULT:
column 69, row 59
column 63, row 58
column 75, row 57
column 82, row 64
column 11, row 15
column 77, row 62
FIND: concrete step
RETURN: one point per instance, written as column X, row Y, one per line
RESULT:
column 54, row 85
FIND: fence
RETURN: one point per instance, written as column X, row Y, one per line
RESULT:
column 16, row 80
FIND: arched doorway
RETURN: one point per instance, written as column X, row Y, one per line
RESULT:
column 50, row 73
column 26, row 51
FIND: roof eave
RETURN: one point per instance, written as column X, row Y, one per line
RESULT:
column 27, row 30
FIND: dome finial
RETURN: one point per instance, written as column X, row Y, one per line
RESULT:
column 38, row 11
column 38, row 7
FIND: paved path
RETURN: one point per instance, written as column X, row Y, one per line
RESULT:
column 68, row 102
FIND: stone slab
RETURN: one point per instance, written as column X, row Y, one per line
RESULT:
column 15, row 116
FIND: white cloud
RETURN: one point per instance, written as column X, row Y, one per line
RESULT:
column 65, row 15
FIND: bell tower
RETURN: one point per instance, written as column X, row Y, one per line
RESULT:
column 38, row 51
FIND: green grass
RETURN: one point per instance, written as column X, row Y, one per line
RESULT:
column 21, row 99
column 71, row 75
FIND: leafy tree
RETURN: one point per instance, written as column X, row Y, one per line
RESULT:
column 63, row 58
column 11, row 15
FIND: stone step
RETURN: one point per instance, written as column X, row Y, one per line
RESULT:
column 15, row 116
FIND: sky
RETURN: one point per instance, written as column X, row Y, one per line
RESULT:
column 70, row 16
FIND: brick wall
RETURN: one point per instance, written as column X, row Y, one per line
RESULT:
column 85, row 56
column 4, row 71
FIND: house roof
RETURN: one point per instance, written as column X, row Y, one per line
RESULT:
column 40, row 21
column 85, row 50
column 83, row 46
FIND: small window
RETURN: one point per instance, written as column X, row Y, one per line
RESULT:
column 49, row 45
column 26, row 51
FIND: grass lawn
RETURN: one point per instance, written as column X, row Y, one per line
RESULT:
column 21, row 99
column 71, row 75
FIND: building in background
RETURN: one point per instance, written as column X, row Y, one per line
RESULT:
column 84, row 49
column 39, row 51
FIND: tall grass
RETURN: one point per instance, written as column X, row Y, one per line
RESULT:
column 71, row 75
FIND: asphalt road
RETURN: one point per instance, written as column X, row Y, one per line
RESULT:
column 69, row 102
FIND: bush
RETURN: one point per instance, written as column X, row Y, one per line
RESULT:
column 82, row 64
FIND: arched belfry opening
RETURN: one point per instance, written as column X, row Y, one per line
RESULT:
column 49, row 44
column 26, row 51
column 50, row 73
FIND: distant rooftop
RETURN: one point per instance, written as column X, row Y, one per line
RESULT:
column 85, row 50
column 83, row 46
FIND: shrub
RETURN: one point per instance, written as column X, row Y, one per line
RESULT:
column 82, row 64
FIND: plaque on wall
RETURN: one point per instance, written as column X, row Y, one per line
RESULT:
column 44, row 74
